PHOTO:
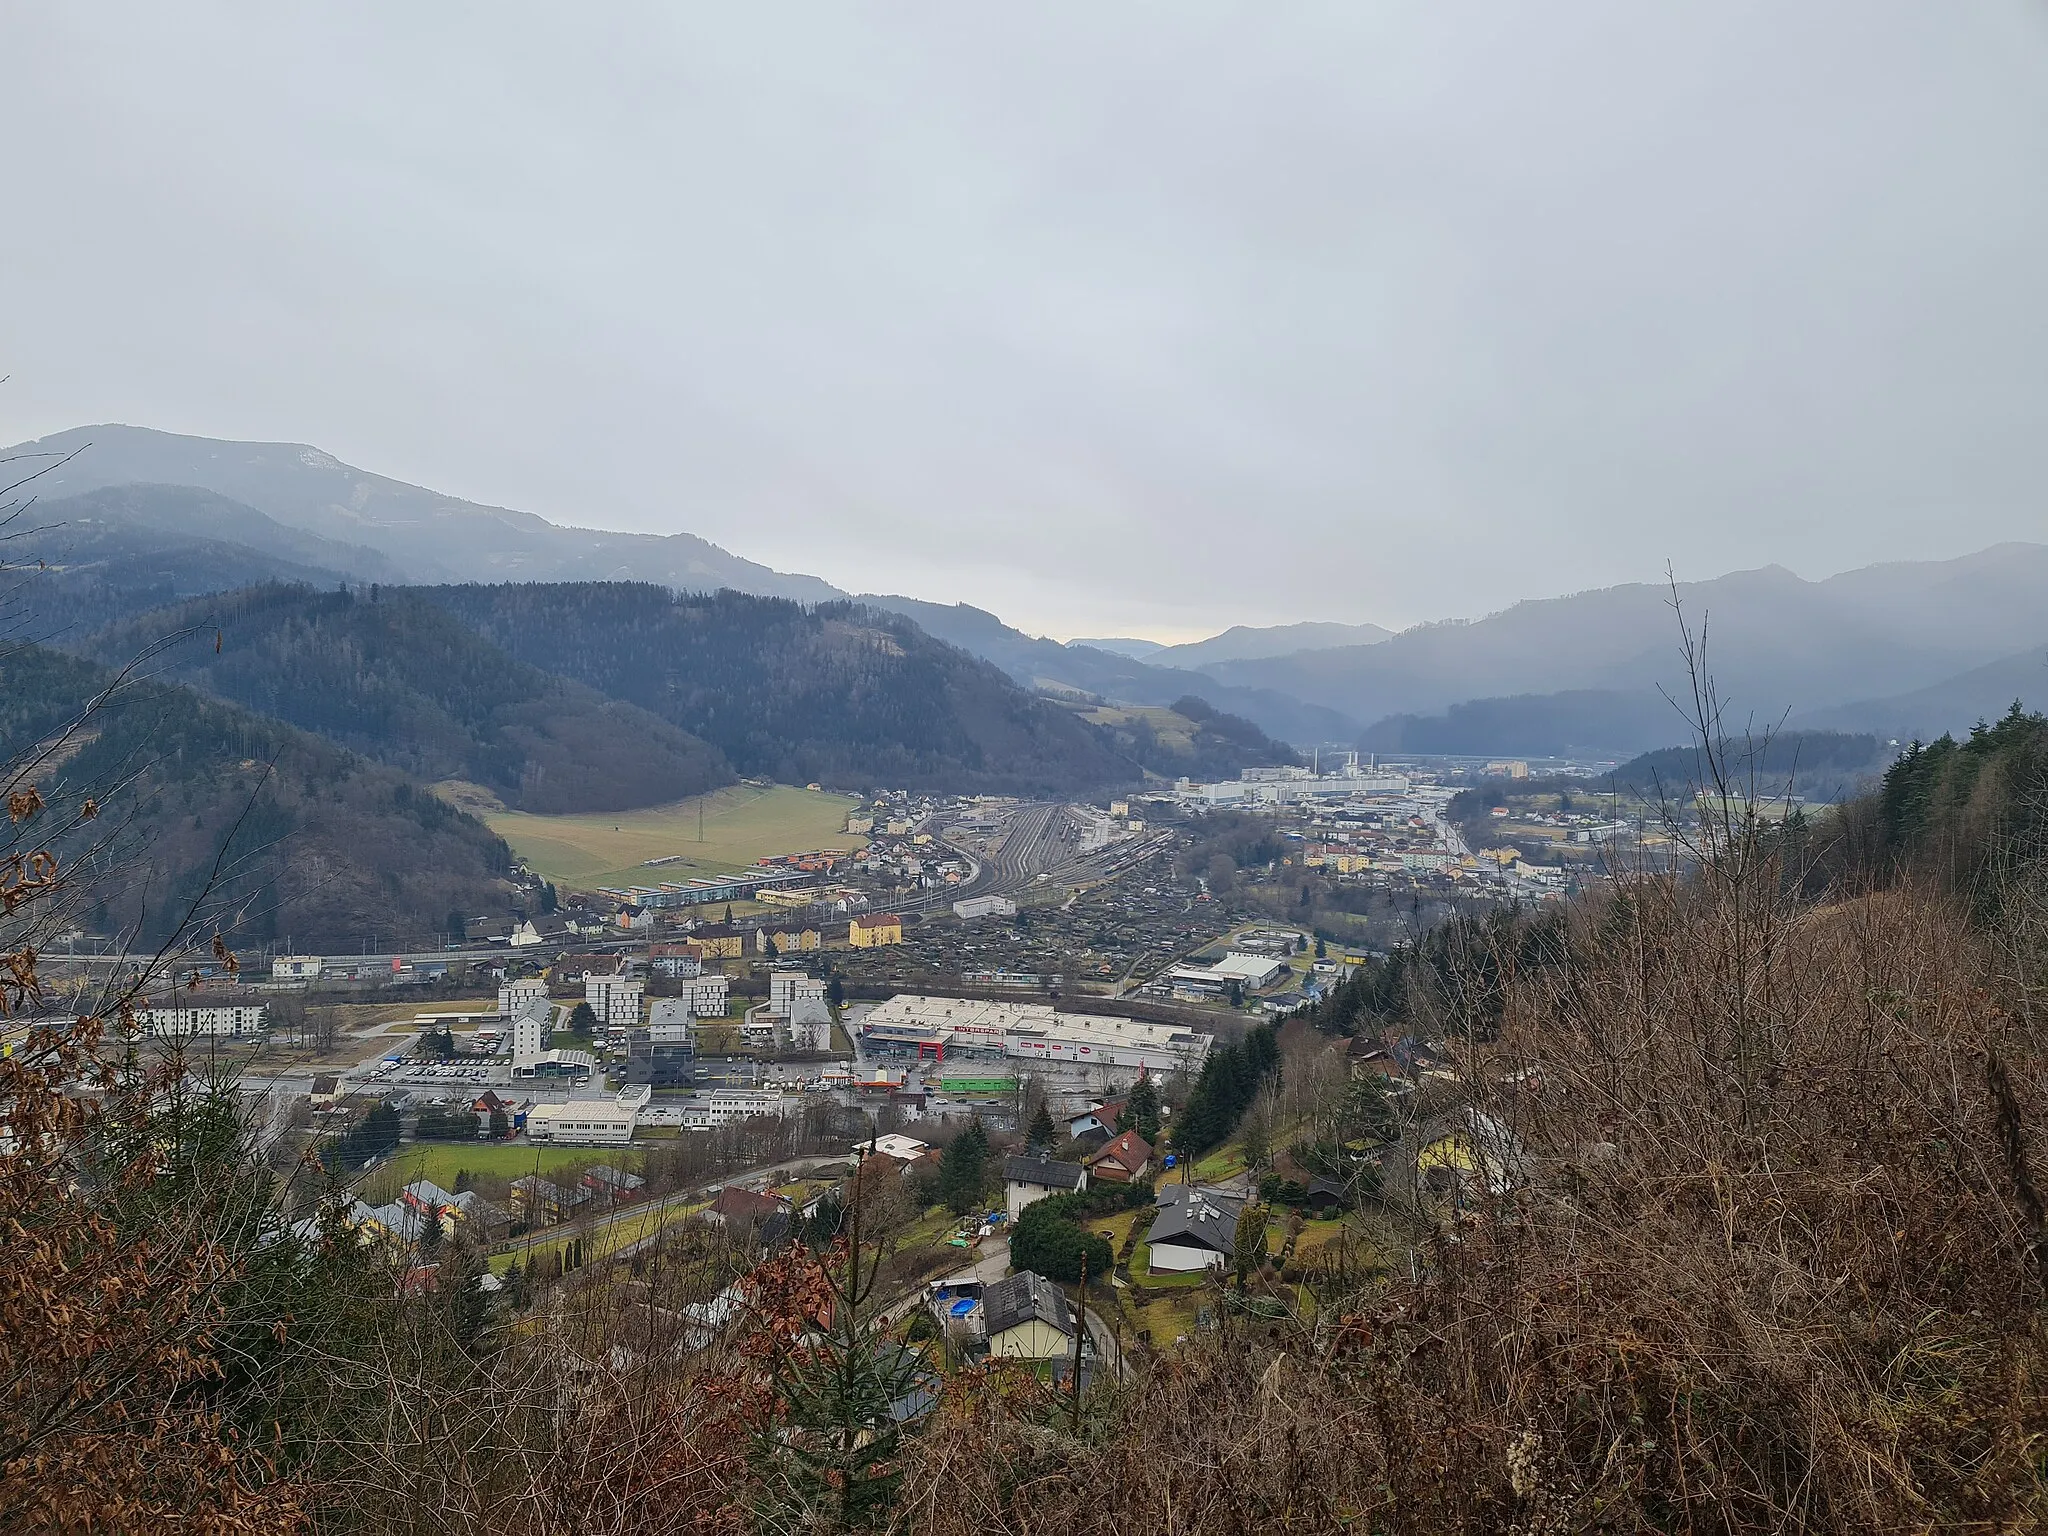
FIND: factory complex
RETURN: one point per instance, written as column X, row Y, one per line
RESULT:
column 935, row 1026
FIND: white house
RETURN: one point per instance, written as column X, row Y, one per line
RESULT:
column 1027, row 1180
column 785, row 987
column 530, row 1030
column 710, row 996
column 810, row 1025
column 295, row 968
column 905, row 1149
column 1196, row 1228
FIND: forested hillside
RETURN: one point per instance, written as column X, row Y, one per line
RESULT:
column 839, row 694
column 1190, row 738
column 391, row 675
column 1587, row 722
column 1815, row 765
column 1970, row 815
column 312, row 842
column 82, row 562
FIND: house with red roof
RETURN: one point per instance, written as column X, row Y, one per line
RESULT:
column 1124, row 1159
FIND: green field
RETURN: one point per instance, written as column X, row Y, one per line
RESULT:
column 1175, row 731
column 440, row 1161
column 602, row 1239
column 739, row 825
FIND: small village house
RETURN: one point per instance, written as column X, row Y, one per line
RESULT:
column 1124, row 1159
column 1196, row 1228
column 1027, row 1180
column 1027, row 1318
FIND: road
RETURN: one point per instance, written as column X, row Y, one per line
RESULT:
column 753, row 1178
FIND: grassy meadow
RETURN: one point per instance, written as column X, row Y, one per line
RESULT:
column 740, row 824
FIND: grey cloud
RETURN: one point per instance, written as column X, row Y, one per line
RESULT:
column 1105, row 318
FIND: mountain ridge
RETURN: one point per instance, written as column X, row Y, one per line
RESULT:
column 1245, row 642
column 433, row 536
column 1775, row 642
column 395, row 678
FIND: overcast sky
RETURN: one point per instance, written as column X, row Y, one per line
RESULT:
column 1111, row 318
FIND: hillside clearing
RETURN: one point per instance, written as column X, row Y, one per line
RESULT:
column 740, row 824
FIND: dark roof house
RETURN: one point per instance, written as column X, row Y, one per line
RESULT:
column 1023, row 1298
column 604, row 1179
column 737, row 1204
column 1044, row 1173
column 1204, row 1222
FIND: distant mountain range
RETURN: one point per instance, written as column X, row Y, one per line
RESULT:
column 429, row 536
column 1137, row 650
column 1244, row 643
column 1776, row 644
column 1899, row 649
column 1952, row 706
column 1079, row 669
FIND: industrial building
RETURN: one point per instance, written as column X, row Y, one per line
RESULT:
column 661, row 1056
column 585, row 1122
column 703, row 892
column 1249, row 972
column 933, row 1026
column 985, row 906
column 722, row 1106
column 1292, row 786
column 202, row 1017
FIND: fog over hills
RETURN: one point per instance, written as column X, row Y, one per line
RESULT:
column 1953, row 705
column 1048, row 665
column 1243, row 642
column 135, row 518
column 1775, row 642
column 431, row 536
column 1122, row 645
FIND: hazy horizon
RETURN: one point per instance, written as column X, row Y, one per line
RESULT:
column 1110, row 323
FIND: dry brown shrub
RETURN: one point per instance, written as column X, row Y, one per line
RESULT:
column 1774, row 1265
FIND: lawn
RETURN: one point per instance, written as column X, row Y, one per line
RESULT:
column 739, row 825
column 1175, row 731
column 600, row 1241
column 440, row 1161
column 1220, row 1164
column 1118, row 1227
column 1142, row 1278
column 1166, row 1317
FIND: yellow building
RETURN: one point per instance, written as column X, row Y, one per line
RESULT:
column 788, row 941
column 1028, row 1318
column 875, row 930
column 719, row 943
